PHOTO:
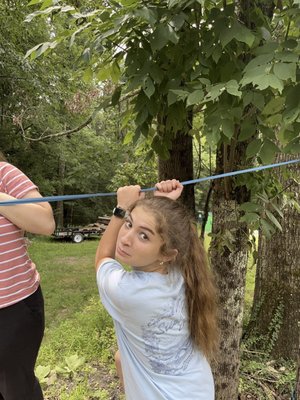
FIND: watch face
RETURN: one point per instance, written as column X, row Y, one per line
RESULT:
column 119, row 212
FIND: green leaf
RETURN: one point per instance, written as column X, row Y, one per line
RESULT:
column 173, row 3
column 160, row 148
column 147, row 14
column 253, row 148
column 86, row 55
column 116, row 96
column 128, row 3
column 216, row 55
column 195, row 97
column 228, row 128
column 274, row 106
column 232, row 87
column 213, row 136
column 238, row 32
column 251, row 75
column 285, row 135
column 277, row 209
column 289, row 116
column 268, row 151
column 273, row 219
column 178, row 20
column 49, row 10
column 32, row 2
column 250, row 207
column 103, row 73
column 128, row 137
column 249, row 217
column 176, row 95
column 156, row 73
column 141, row 116
column 288, row 56
column 46, row 4
column 87, row 75
column 273, row 120
column 214, row 92
column 258, row 100
column 115, row 72
column 42, row 372
column 40, row 49
column 268, row 132
column 285, row 71
column 268, row 80
column 248, row 129
column 74, row 362
column 161, row 36
column 261, row 60
column 78, row 31
column 148, row 87
column 267, row 228
column 293, row 147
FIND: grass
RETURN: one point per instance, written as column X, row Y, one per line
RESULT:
column 76, row 357
column 64, row 267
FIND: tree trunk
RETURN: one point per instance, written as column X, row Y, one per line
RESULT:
column 276, row 304
column 228, row 255
column 59, row 212
column 180, row 166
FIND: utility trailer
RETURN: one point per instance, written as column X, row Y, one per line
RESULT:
column 78, row 234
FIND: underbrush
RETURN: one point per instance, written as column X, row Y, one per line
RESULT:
column 262, row 378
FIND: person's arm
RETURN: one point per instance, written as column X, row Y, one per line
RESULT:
column 107, row 246
column 32, row 217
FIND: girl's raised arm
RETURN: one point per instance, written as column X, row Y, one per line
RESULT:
column 126, row 196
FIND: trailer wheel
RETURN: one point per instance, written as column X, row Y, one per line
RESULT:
column 77, row 238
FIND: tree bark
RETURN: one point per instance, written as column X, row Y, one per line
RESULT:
column 228, row 256
column 276, row 303
column 180, row 166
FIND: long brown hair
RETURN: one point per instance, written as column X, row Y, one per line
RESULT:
column 2, row 156
column 178, row 231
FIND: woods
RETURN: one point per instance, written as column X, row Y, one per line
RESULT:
column 96, row 94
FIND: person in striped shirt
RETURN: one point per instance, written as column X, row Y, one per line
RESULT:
column 21, row 299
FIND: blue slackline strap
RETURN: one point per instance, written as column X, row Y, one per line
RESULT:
column 85, row 196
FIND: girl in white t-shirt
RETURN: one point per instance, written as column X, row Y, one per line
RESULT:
column 164, row 309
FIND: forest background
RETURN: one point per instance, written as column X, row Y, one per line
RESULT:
column 98, row 94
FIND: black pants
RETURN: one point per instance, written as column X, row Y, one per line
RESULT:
column 21, row 332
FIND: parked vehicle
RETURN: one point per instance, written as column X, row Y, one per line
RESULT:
column 78, row 234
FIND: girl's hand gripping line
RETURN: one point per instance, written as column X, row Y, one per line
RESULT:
column 170, row 188
column 127, row 195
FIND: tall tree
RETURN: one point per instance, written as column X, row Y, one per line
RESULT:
column 276, row 305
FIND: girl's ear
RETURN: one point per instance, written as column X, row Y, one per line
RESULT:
column 172, row 254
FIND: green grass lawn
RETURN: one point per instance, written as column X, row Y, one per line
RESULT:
column 67, row 275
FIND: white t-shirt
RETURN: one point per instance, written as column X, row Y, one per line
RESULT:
column 159, row 361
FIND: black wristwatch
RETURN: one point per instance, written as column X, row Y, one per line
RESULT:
column 119, row 212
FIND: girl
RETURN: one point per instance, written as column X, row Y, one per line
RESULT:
column 21, row 299
column 164, row 309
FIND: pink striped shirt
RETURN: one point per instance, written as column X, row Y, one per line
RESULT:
column 18, row 275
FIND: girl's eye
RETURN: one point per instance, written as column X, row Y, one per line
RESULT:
column 143, row 236
column 128, row 224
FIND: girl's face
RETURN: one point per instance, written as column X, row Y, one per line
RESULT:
column 139, row 244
